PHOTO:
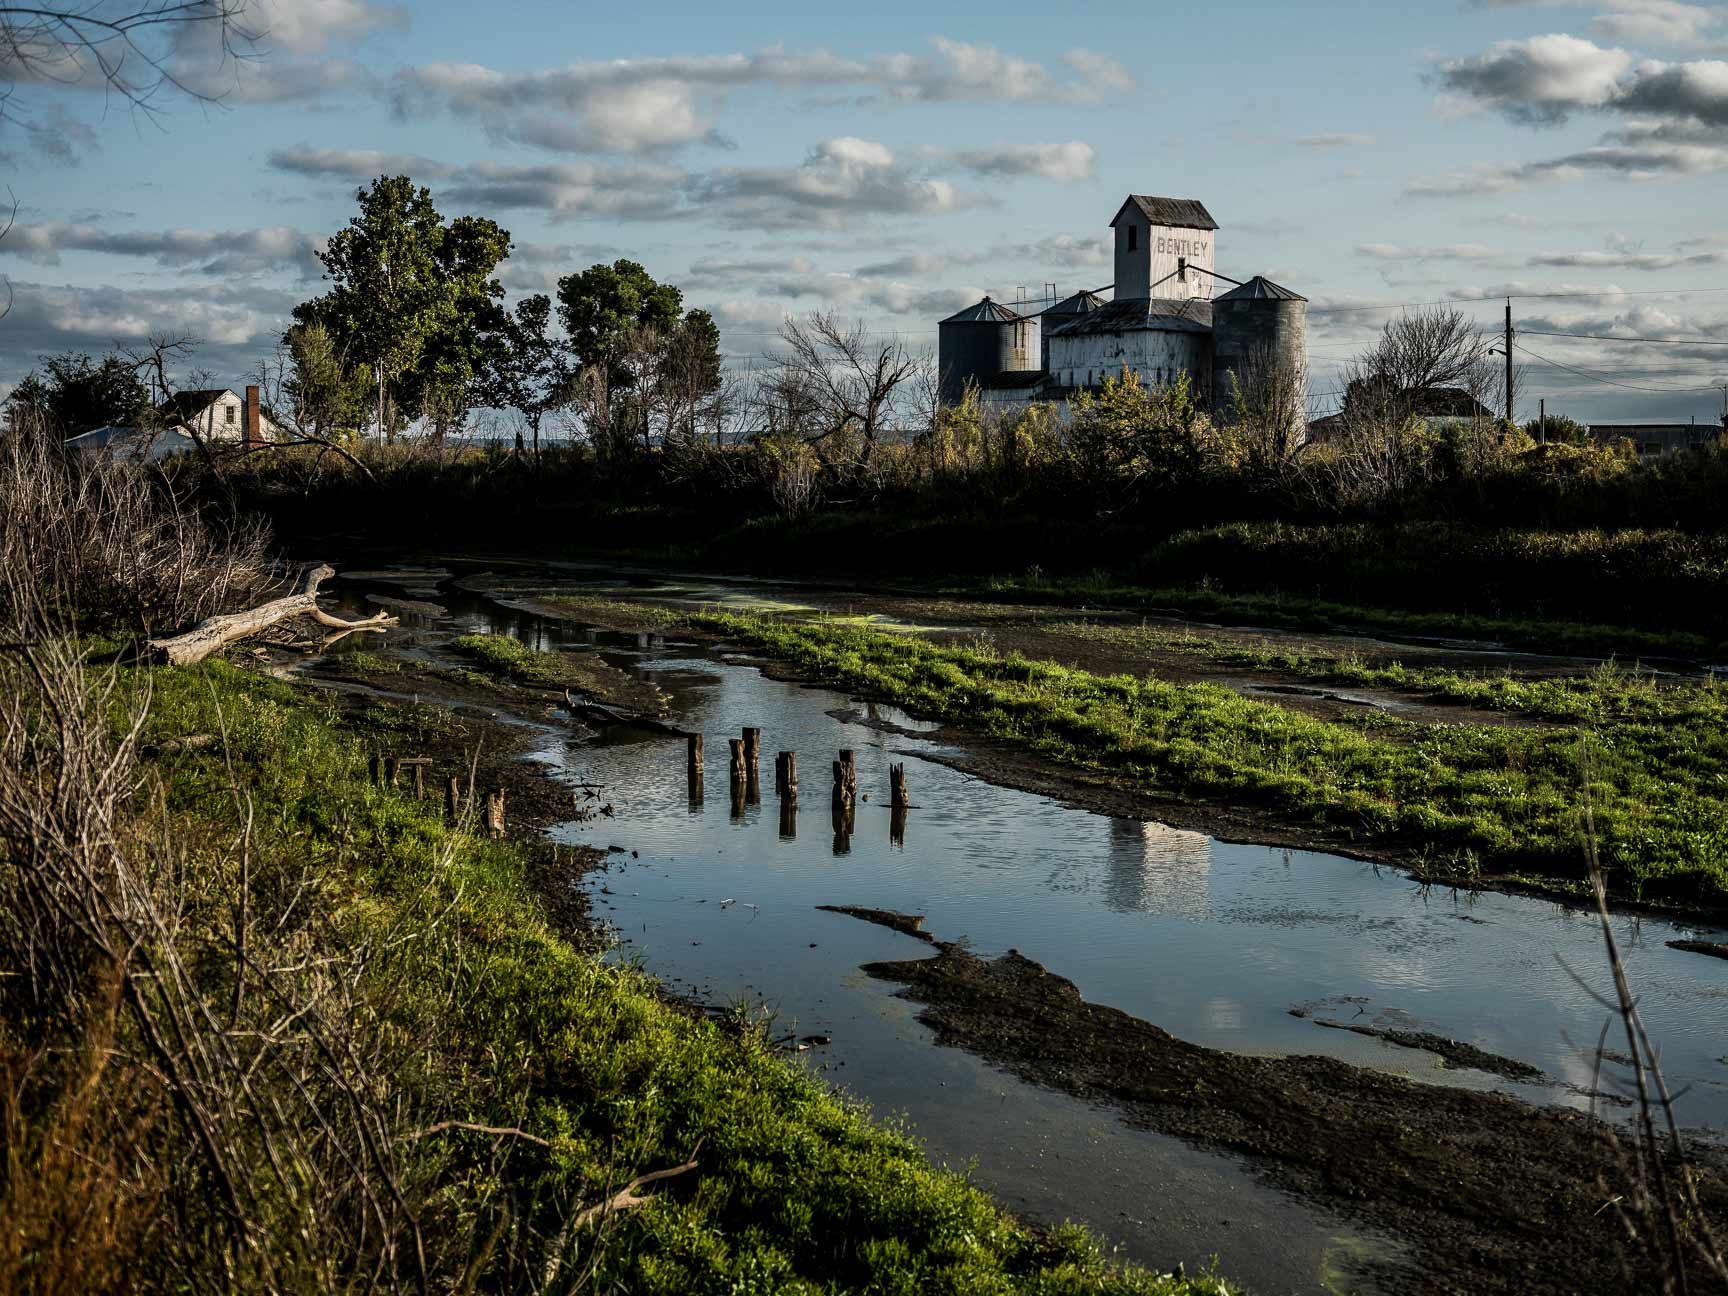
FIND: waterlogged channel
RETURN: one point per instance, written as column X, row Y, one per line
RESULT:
column 1220, row 944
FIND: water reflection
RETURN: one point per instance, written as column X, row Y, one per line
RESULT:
column 844, row 816
column 1157, row 868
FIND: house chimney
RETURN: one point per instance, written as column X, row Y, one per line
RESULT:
column 251, row 432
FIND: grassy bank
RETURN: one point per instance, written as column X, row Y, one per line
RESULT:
column 1608, row 693
column 1295, row 612
column 508, row 1079
column 1465, row 798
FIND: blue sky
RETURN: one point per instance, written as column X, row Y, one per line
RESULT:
column 895, row 162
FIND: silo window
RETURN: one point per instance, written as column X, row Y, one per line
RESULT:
column 1133, row 238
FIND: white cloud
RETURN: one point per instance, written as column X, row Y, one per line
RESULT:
column 1541, row 80
column 629, row 105
column 840, row 180
column 1448, row 252
column 1067, row 162
column 218, row 252
column 357, row 164
column 1334, row 140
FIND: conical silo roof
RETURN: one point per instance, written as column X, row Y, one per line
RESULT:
column 1260, row 288
column 984, row 312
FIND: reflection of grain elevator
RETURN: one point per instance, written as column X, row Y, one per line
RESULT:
column 1162, row 321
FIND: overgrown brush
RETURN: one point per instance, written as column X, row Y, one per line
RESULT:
column 113, row 544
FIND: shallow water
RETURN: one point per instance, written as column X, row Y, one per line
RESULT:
column 1214, row 942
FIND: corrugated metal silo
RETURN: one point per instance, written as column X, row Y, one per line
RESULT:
column 980, row 343
column 1257, row 329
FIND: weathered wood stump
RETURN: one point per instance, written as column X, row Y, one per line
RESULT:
column 495, row 812
column 452, row 798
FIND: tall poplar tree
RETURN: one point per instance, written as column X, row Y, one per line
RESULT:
column 411, row 297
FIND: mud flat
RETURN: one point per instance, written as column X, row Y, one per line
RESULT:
column 1494, row 1194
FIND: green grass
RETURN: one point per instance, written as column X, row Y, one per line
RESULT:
column 503, row 657
column 1286, row 611
column 797, row 1190
column 1610, row 692
column 1464, row 797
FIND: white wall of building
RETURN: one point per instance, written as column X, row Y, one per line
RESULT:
column 1152, row 252
column 1086, row 359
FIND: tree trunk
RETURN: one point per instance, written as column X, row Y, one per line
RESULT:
column 218, row 631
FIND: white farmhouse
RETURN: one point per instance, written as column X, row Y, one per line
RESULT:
column 216, row 414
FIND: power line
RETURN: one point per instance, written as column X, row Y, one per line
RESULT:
column 1605, row 337
column 1602, row 378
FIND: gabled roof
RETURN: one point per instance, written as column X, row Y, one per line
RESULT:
column 1180, row 213
column 1159, row 315
column 984, row 312
column 1260, row 288
column 185, row 404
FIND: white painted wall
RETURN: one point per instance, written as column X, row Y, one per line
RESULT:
column 1157, row 357
column 1156, row 253
column 225, row 420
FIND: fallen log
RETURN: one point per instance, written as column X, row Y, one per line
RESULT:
column 219, row 631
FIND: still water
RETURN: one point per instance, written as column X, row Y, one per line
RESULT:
column 1215, row 942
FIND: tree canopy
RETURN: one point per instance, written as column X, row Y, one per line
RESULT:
column 75, row 393
column 411, row 298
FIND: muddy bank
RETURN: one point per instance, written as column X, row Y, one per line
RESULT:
column 1496, row 1196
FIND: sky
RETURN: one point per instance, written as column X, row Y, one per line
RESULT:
column 894, row 162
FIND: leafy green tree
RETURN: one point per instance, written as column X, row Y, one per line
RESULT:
column 617, row 318
column 74, row 393
column 528, row 368
column 602, row 307
column 1127, row 439
column 1561, row 429
column 327, row 395
column 411, row 297
column 691, row 372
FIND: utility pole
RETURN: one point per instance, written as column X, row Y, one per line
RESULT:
column 1509, row 405
column 1544, row 425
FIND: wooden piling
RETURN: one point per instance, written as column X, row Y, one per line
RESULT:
column 452, row 798
column 752, row 751
column 693, row 767
column 897, row 827
column 375, row 768
column 495, row 811
column 846, row 774
column 419, row 780
column 897, row 787
column 390, row 770
column 788, row 819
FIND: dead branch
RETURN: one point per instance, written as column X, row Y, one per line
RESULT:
column 219, row 631
column 627, row 1198
column 501, row 1131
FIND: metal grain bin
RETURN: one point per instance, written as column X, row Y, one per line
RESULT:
column 982, row 342
column 1257, row 327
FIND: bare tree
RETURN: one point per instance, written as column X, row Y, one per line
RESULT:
column 11, row 220
column 853, row 382
column 127, row 48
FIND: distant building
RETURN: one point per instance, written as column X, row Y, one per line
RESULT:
column 216, row 414
column 1161, row 324
column 143, row 445
column 1439, row 407
column 1654, row 440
